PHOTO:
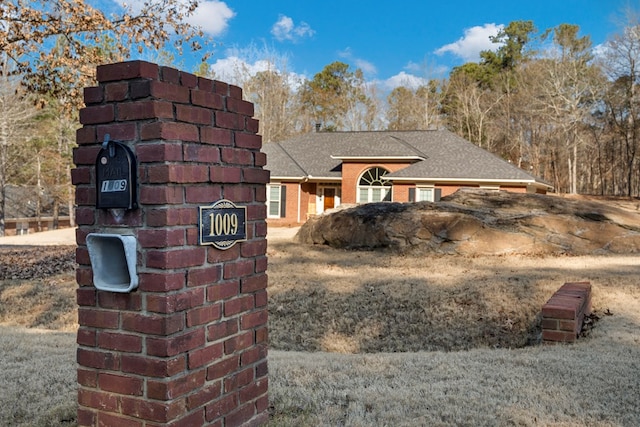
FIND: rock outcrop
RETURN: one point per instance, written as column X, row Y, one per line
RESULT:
column 476, row 222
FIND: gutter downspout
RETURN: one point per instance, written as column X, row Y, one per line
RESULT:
column 306, row 179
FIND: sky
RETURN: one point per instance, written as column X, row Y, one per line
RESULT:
column 393, row 43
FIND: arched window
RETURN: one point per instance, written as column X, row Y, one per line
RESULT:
column 372, row 187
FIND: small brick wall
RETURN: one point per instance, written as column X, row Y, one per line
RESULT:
column 563, row 314
column 189, row 346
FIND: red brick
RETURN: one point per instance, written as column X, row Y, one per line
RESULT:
column 220, row 330
column 120, row 384
column 117, row 301
column 205, row 395
column 254, row 390
column 251, row 249
column 109, row 420
column 262, row 335
column 86, row 418
column 261, row 298
column 200, row 153
column 169, row 131
column 255, row 176
column 153, row 367
column 86, row 337
column 224, row 174
column 93, row 95
column 117, row 91
column 189, row 80
column 221, row 407
column 118, row 132
column 223, row 291
column 169, row 217
column 558, row 311
column 251, row 320
column 170, row 75
column 176, row 344
column 197, row 115
column 169, row 91
column 254, row 354
column 97, row 359
column 251, row 125
column 238, row 193
column 227, row 120
column 175, row 387
column 248, row 140
column 152, row 324
column 235, row 92
column 203, row 193
column 261, row 264
column 177, row 258
column 87, row 378
column 262, row 369
column 194, row 419
column 240, row 106
column 221, row 87
column 120, row 342
column 97, row 400
column 85, row 196
column 236, row 156
column 84, row 277
column 240, row 416
column 203, row 315
column 239, row 342
column 98, row 318
column 85, row 155
column 242, row 268
column 160, row 152
column 156, row 282
column 161, row 238
column 151, row 410
column 260, row 159
column 217, row 136
column 126, row 70
column 204, row 276
column 97, row 114
column 205, row 356
column 86, row 296
column 161, row 195
column 237, row 380
column 549, row 324
column 238, row 305
column 570, row 325
column 86, row 135
column 207, row 99
column 171, row 303
column 223, row 368
column 147, row 109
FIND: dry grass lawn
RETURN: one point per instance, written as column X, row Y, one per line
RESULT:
column 372, row 338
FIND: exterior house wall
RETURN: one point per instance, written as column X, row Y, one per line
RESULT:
column 351, row 172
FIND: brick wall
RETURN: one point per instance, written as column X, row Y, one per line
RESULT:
column 563, row 314
column 189, row 346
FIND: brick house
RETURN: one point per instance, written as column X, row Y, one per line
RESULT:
column 318, row 171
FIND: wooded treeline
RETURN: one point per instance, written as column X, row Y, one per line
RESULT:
column 548, row 101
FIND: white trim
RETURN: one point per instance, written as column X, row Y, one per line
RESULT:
column 378, row 158
column 269, row 186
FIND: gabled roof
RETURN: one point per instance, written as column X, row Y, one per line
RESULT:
column 434, row 154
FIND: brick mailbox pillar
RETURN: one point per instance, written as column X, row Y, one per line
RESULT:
column 188, row 346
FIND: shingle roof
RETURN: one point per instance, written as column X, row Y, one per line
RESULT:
column 438, row 154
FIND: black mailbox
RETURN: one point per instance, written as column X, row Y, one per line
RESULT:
column 116, row 177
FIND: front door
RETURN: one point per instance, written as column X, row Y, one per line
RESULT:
column 329, row 198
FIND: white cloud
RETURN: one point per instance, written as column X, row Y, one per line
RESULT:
column 286, row 30
column 475, row 39
column 403, row 79
column 234, row 68
column 212, row 16
column 366, row 66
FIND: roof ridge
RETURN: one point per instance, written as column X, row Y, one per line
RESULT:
column 292, row 159
column 406, row 144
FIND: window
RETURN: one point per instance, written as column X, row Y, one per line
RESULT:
column 276, row 201
column 424, row 194
column 373, row 187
